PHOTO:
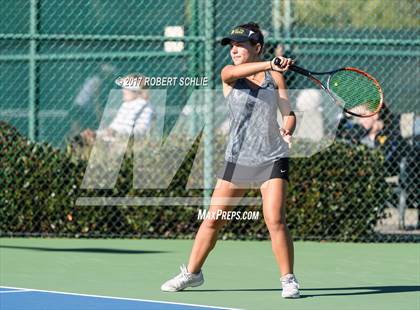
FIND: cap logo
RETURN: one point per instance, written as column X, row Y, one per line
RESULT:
column 238, row 31
column 250, row 33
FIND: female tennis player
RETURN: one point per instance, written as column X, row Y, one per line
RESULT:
column 257, row 152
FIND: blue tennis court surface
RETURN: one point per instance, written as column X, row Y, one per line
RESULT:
column 21, row 299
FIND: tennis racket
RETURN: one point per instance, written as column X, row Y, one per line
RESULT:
column 356, row 91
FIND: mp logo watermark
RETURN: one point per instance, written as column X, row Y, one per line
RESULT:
column 135, row 123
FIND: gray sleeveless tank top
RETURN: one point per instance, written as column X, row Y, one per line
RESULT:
column 254, row 136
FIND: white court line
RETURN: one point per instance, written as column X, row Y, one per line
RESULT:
column 119, row 298
column 16, row 291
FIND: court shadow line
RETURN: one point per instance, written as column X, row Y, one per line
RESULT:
column 368, row 290
column 84, row 250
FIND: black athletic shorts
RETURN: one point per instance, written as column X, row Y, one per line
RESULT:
column 233, row 172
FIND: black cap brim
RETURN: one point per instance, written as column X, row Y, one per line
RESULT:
column 227, row 40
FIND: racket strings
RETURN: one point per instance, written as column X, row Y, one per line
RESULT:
column 356, row 92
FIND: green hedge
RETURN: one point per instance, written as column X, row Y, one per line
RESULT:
column 338, row 194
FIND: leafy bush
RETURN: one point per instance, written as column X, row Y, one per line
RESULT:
column 336, row 194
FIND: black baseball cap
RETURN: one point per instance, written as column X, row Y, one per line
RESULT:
column 240, row 34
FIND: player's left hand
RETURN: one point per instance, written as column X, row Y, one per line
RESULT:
column 287, row 136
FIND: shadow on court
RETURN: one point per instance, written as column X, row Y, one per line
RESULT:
column 364, row 290
column 83, row 250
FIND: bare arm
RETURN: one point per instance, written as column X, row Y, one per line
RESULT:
column 230, row 73
column 289, row 119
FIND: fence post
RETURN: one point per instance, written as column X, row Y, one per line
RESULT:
column 209, row 110
column 276, row 19
column 288, row 20
column 33, row 106
column 191, row 13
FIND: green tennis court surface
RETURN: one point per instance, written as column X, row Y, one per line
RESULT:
column 238, row 274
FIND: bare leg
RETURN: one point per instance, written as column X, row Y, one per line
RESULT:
column 273, row 193
column 224, row 196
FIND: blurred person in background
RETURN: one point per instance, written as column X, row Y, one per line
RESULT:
column 373, row 126
column 360, row 130
column 381, row 131
column 133, row 116
column 88, row 104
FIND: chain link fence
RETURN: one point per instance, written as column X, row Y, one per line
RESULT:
column 59, row 62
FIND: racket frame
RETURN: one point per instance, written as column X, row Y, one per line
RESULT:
column 375, row 82
column 326, row 88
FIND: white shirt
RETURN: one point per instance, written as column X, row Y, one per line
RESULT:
column 133, row 116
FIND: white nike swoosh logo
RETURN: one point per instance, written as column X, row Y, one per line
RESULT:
column 282, row 171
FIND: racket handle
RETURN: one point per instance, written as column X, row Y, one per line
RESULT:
column 300, row 70
column 293, row 68
column 277, row 61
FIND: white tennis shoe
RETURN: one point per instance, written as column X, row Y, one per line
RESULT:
column 183, row 280
column 290, row 286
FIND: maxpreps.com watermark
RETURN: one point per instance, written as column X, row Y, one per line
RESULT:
column 204, row 214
